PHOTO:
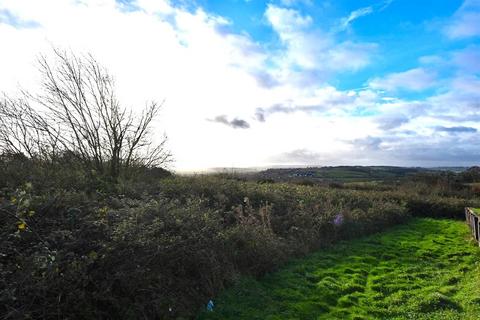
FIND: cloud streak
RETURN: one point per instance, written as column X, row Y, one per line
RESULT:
column 417, row 79
column 235, row 123
column 464, row 23
column 457, row 129
column 345, row 22
column 300, row 157
column 7, row 17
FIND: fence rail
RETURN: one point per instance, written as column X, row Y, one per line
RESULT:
column 473, row 221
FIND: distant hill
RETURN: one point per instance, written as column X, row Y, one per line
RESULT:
column 453, row 169
column 345, row 173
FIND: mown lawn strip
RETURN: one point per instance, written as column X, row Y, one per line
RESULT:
column 426, row 269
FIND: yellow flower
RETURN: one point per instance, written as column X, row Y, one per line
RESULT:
column 22, row 226
column 103, row 212
column 31, row 213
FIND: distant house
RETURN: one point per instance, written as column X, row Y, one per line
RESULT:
column 303, row 174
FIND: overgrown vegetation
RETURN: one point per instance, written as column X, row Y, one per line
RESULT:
column 426, row 269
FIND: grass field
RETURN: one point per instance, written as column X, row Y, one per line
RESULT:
column 343, row 173
column 427, row 269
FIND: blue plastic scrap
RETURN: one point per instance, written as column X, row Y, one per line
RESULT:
column 210, row 305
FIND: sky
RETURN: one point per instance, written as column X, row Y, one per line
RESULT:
column 253, row 83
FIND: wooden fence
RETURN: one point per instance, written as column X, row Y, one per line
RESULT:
column 473, row 221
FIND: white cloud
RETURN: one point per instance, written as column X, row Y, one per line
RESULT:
column 414, row 79
column 345, row 22
column 354, row 15
column 465, row 22
column 351, row 55
column 155, row 7
column 468, row 59
column 461, row 100
column 311, row 55
column 289, row 3
column 287, row 22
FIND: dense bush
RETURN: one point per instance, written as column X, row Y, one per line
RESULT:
column 160, row 249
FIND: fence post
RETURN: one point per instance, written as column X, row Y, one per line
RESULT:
column 473, row 221
column 475, row 227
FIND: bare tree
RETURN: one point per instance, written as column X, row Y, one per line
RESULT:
column 78, row 111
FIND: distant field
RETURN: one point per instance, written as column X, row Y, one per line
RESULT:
column 427, row 269
column 342, row 173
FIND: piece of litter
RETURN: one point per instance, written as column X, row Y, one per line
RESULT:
column 210, row 305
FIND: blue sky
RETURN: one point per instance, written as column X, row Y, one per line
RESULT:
column 285, row 82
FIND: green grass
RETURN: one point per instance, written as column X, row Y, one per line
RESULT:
column 476, row 210
column 427, row 269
